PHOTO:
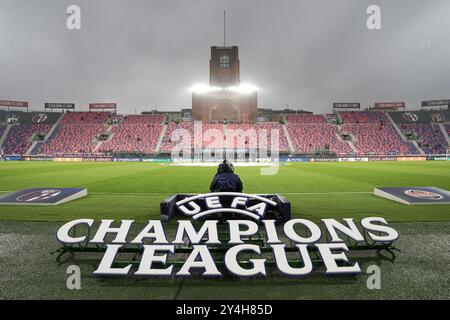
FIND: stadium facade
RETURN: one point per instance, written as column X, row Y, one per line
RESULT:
column 225, row 99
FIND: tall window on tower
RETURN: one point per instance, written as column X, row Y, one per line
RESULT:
column 224, row 61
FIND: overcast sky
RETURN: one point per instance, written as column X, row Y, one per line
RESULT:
column 147, row 54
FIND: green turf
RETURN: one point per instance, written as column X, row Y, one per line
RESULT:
column 134, row 190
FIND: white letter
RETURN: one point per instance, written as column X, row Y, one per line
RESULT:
column 239, row 201
column 312, row 227
column 73, row 21
column 271, row 231
column 105, row 227
column 195, row 209
column 259, row 208
column 351, row 231
column 283, row 264
column 236, row 233
column 108, row 258
column 213, row 202
column 148, row 257
column 330, row 258
column 206, row 262
column 391, row 234
column 374, row 20
column 233, row 266
column 157, row 234
column 185, row 226
column 63, row 233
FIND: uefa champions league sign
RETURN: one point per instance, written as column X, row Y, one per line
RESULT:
column 242, row 216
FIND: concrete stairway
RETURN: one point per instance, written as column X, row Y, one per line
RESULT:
column 99, row 143
column 5, row 134
column 400, row 132
column 444, row 132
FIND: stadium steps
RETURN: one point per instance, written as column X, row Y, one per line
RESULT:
column 32, row 147
column 444, row 132
column 35, row 146
column 350, row 143
column 161, row 137
column 5, row 134
column 414, row 142
column 288, row 138
column 99, row 143
column 400, row 132
column 48, row 135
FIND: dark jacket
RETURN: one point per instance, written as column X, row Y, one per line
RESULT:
column 226, row 182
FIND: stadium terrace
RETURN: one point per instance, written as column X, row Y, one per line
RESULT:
column 156, row 247
column 99, row 135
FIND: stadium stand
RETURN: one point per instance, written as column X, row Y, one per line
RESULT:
column 306, row 118
column 23, row 132
column 170, row 139
column 212, row 139
column 135, row 133
column 312, row 137
column 363, row 117
column 252, row 133
column 76, row 133
column 430, row 137
column 378, row 138
column 20, row 137
column 3, row 116
column 2, row 129
column 421, row 116
column 374, row 133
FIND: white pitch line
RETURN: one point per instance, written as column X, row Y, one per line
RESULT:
column 150, row 193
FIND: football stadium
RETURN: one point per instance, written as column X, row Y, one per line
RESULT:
column 223, row 198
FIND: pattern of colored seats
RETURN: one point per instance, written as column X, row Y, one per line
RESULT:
column 77, row 133
column 257, row 135
column 19, row 138
column 144, row 118
column 178, row 134
column 311, row 137
column 306, row 118
column 213, row 136
column 363, row 117
column 378, row 138
column 432, row 139
column 136, row 133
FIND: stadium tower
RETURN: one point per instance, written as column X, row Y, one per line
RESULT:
column 225, row 99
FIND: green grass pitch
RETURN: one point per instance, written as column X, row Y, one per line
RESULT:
column 134, row 191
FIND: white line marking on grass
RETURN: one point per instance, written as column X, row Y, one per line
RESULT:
column 157, row 193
